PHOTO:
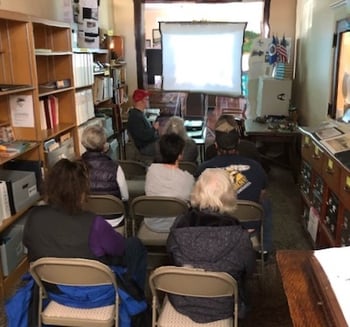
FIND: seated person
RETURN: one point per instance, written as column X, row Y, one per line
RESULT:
column 209, row 237
column 139, row 128
column 106, row 176
column 250, row 176
column 61, row 228
column 175, row 125
column 167, row 179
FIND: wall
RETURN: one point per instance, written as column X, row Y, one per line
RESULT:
column 123, row 13
column 315, row 27
column 42, row 8
column 52, row 9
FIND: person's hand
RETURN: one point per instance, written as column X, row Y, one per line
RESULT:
column 156, row 125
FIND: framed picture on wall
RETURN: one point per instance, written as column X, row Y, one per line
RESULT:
column 156, row 38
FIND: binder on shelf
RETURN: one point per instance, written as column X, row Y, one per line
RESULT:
column 5, row 211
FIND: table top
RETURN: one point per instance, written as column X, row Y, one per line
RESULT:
column 252, row 127
column 305, row 305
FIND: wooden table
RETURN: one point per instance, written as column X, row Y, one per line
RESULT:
column 305, row 304
column 290, row 138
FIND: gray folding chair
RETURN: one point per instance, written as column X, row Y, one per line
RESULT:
column 108, row 206
column 74, row 272
column 189, row 282
column 250, row 211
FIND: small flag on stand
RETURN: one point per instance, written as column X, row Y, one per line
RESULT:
column 273, row 51
column 282, row 55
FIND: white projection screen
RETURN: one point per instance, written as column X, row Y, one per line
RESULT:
column 202, row 57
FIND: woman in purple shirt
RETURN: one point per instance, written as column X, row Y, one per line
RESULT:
column 61, row 228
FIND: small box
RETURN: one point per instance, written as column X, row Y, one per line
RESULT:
column 21, row 187
column 11, row 249
column 65, row 150
column 273, row 97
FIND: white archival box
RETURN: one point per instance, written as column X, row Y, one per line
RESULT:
column 273, row 96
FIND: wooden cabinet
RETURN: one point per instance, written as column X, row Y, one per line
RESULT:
column 35, row 64
column 325, row 187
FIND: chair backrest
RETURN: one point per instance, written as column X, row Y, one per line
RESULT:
column 71, row 271
column 156, row 206
column 249, row 211
column 196, row 105
column 105, row 205
column 193, row 282
column 189, row 166
column 133, row 169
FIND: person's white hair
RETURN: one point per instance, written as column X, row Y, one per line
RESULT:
column 175, row 124
column 214, row 191
column 94, row 138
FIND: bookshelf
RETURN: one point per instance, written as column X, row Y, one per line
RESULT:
column 36, row 63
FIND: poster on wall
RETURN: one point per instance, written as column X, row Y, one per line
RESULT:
column 85, row 13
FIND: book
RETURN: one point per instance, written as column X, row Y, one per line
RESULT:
column 4, row 201
column 11, row 201
column 43, row 123
column 53, row 105
column 48, row 116
column 9, row 87
column 12, row 148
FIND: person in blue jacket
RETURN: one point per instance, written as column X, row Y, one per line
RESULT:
column 62, row 228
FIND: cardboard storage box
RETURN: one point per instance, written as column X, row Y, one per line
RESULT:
column 65, row 150
column 11, row 249
column 22, row 188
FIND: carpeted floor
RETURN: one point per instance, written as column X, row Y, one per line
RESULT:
column 269, row 305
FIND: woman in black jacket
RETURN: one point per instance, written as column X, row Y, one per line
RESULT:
column 209, row 237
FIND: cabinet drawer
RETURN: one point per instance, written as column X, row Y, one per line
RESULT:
column 313, row 155
column 344, row 191
column 331, row 173
column 306, row 147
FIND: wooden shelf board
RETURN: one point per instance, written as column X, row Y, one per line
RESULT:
column 33, row 145
column 60, row 128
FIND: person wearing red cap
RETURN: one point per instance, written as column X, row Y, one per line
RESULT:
column 139, row 128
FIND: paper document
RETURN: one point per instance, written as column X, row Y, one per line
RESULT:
column 335, row 263
column 22, row 113
column 337, row 144
column 326, row 133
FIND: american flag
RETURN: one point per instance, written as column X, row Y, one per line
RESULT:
column 282, row 55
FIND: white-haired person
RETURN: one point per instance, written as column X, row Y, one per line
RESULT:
column 106, row 176
column 209, row 237
column 175, row 124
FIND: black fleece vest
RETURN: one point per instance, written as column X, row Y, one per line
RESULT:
column 103, row 173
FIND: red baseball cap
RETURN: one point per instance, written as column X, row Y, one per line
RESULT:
column 139, row 95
